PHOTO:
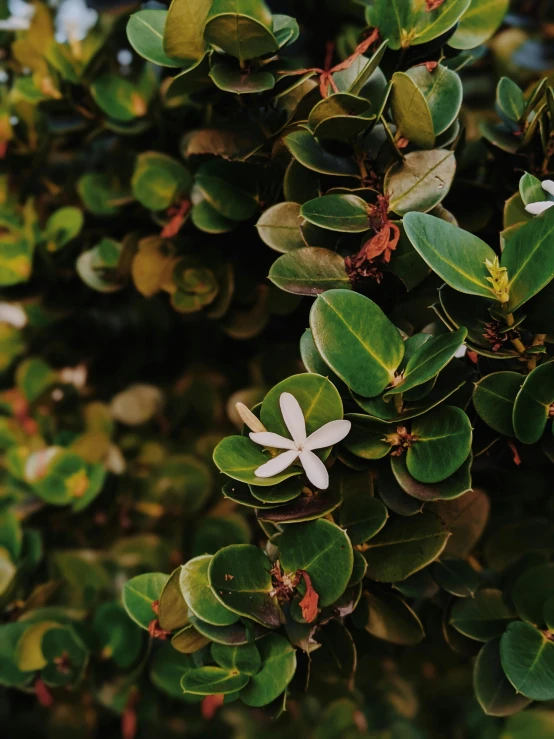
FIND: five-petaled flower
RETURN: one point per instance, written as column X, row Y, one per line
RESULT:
column 537, row 208
column 299, row 447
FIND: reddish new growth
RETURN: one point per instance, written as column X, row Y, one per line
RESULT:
column 326, row 73
column 177, row 214
column 401, row 440
column 497, row 338
column 432, row 5
column 154, row 628
column 63, row 663
column 284, row 586
column 378, row 249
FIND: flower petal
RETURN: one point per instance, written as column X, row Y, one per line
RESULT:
column 293, row 417
column 327, row 435
column 548, row 186
column 315, row 470
column 537, row 208
column 277, row 464
column 269, row 439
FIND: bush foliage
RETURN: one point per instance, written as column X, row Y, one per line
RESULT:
column 277, row 369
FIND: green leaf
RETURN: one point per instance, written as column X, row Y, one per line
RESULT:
column 279, row 227
column 531, row 591
column 443, row 444
column 537, row 723
column 529, row 259
column 428, row 361
column 118, row 97
column 450, row 488
column 533, row 403
column 172, row 608
column 139, row 593
column 16, row 260
column 198, row 595
column 119, row 639
column 442, row 91
column 145, row 32
column 158, row 180
column 407, row 24
column 63, row 226
column 246, row 659
column 229, row 187
column 241, row 28
column 457, row 256
column 509, row 99
column 530, row 191
column 240, row 579
column 278, row 668
column 324, row 551
column 308, row 151
column 239, row 458
column 167, row 668
column 404, row 546
column 356, row 340
column 420, row 181
column 362, row 517
column 367, row 437
column 312, row 360
column 309, row 271
column 317, row 396
column 189, row 640
column 183, row 38
column 230, row 79
column 241, row 632
column 483, row 617
column 411, row 111
column 479, row 22
column 284, row 492
column 494, row 397
column 390, row 618
column 528, row 661
column 341, row 116
column 345, row 213
column 212, row 680
column 493, row 690
column 303, row 508
column 456, row 576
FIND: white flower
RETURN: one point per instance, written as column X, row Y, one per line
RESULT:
column 21, row 14
column 299, row 447
column 537, row 208
column 74, row 20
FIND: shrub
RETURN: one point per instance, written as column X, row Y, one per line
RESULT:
column 330, row 235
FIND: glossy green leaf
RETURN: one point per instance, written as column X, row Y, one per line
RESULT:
column 139, row 593
column 362, row 517
column 305, row 148
column 356, row 340
column 533, row 404
column 420, row 181
column 450, row 488
column 230, row 79
column 158, row 180
column 390, row 618
column 239, row 576
column 428, row 361
column 456, row 576
column 345, row 213
column 241, row 28
column 479, row 23
column 183, row 38
column 442, row 91
column 529, row 259
column 494, row 397
column 404, row 546
column 198, row 595
column 211, row 680
column 509, row 99
column 457, row 256
column 483, row 617
column 531, row 591
column 172, row 608
column 309, row 271
column 340, row 116
column 411, row 111
column 443, row 444
column 239, row 458
column 246, row 659
column 279, row 227
column 528, row 660
column 145, row 31
column 278, row 667
column 321, row 549
column 367, row 437
column 495, row 693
